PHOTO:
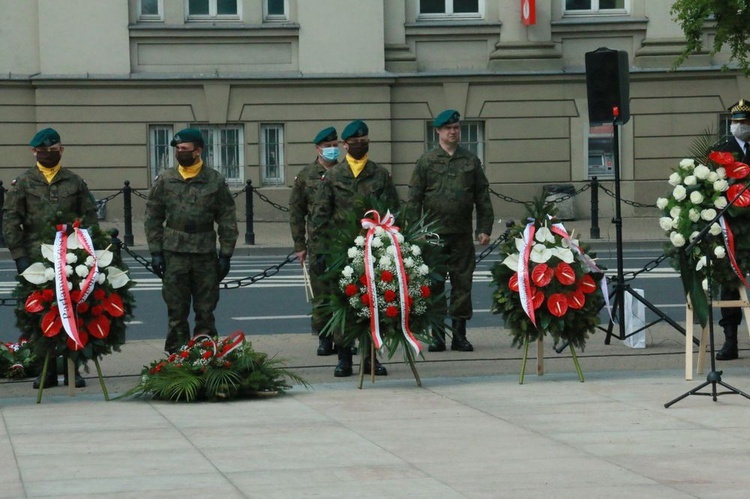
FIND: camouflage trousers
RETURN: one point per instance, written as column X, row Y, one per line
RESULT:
column 459, row 255
column 189, row 278
column 320, row 288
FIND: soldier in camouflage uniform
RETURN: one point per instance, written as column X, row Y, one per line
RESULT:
column 183, row 205
column 44, row 196
column 344, row 187
column 447, row 183
column 300, row 211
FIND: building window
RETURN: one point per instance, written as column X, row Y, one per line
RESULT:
column 601, row 155
column 272, row 154
column 223, row 151
column 212, row 9
column 275, row 10
column 150, row 10
column 440, row 9
column 160, row 154
column 472, row 137
column 596, row 6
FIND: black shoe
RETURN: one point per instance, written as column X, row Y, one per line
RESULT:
column 438, row 342
column 380, row 369
column 344, row 367
column 49, row 382
column 728, row 352
column 80, row 382
column 461, row 344
column 325, row 346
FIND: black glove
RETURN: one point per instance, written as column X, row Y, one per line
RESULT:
column 22, row 263
column 157, row 264
column 223, row 266
column 319, row 265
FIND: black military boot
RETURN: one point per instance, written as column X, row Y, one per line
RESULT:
column 459, row 342
column 438, row 340
column 325, row 345
column 729, row 349
column 79, row 381
column 50, row 379
column 344, row 367
column 380, row 369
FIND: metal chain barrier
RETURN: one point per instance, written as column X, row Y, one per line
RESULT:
column 629, row 276
column 103, row 201
column 269, row 272
column 626, row 201
column 139, row 193
column 508, row 198
column 266, row 200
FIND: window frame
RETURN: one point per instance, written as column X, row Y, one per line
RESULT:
column 158, row 17
column 477, row 146
column 212, row 149
column 212, row 15
column 263, row 144
column 154, row 146
column 594, row 10
column 275, row 17
column 449, row 14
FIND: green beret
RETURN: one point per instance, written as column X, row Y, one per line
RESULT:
column 45, row 138
column 188, row 135
column 740, row 110
column 326, row 135
column 356, row 128
column 447, row 117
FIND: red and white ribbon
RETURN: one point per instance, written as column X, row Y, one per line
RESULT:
column 233, row 342
column 387, row 224
column 524, row 277
column 726, row 231
column 64, row 303
column 84, row 240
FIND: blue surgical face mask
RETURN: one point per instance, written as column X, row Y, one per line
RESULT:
column 330, row 153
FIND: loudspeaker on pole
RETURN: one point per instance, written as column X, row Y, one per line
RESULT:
column 608, row 86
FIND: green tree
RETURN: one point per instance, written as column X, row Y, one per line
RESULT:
column 729, row 20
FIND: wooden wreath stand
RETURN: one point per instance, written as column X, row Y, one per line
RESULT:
column 742, row 303
column 409, row 357
column 540, row 359
column 71, row 369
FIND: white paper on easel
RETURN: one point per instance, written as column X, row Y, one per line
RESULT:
column 635, row 319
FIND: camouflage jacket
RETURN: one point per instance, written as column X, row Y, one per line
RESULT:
column 32, row 204
column 301, row 202
column 341, row 193
column 446, row 188
column 180, row 214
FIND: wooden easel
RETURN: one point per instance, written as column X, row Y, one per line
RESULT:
column 704, row 341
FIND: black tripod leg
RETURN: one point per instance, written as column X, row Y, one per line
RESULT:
column 691, row 392
column 614, row 306
column 733, row 389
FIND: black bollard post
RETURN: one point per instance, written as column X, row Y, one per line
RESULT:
column 2, row 202
column 249, row 229
column 594, row 208
column 115, row 241
column 128, row 207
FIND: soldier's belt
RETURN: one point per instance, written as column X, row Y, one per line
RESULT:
column 190, row 227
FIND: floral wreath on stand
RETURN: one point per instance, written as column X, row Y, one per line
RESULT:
column 75, row 299
column 699, row 192
column 546, row 283
column 382, row 293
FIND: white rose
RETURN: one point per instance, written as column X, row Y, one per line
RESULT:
column 708, row 214
column 694, row 235
column 71, row 258
column 675, row 223
column 661, row 203
column 696, row 197
column 679, row 193
column 687, row 164
column 677, row 239
column 720, row 252
column 702, row 171
column 721, row 172
column 712, row 177
column 675, row 179
column 694, row 215
column 691, row 180
column 675, row 212
column 82, row 270
column 720, row 203
column 701, row 263
column 715, row 229
column 665, row 223
column 721, row 185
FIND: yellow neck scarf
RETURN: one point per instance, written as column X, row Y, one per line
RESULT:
column 357, row 165
column 49, row 173
column 191, row 171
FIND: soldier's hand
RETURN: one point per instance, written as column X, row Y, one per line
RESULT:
column 223, row 266
column 483, row 239
column 22, row 263
column 157, row 264
column 301, row 256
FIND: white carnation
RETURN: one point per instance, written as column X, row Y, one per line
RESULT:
column 376, row 242
column 82, row 270
column 720, row 203
column 696, row 197
column 691, row 180
column 665, row 223
column 71, row 258
column 708, row 214
column 679, row 193
column 352, row 252
column 661, row 203
column 408, row 262
column 687, row 164
column 423, row 269
column 720, row 252
column 675, row 179
column 347, row 272
column 379, row 231
column 399, row 237
column 68, row 270
column 677, row 239
column 416, row 250
column 702, row 171
column 391, row 250
column 359, row 241
column 70, row 286
column 721, row 185
column 385, row 262
column 49, row 274
column 89, row 261
column 101, row 278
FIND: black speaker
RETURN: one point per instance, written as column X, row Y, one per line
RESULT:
column 608, row 86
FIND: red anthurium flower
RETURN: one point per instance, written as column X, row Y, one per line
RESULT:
column 51, row 323
column 513, row 282
column 565, row 274
column 365, row 299
column 35, row 302
column 734, row 191
column 557, row 304
column 722, row 158
column 542, row 275
column 537, row 298
column 737, row 170
column 113, row 305
column 389, row 295
column 98, row 327
column 386, row 276
column 576, row 300
column 391, row 311
column 351, row 289
column 587, row 284
column 425, row 290
column 72, row 346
